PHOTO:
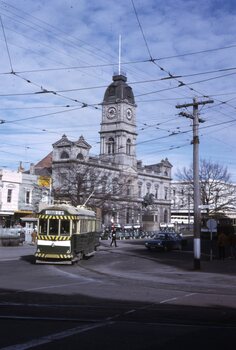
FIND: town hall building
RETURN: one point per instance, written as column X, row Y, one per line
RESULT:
column 115, row 183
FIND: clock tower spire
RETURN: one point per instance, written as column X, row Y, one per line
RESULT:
column 118, row 126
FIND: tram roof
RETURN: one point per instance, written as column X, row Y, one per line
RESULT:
column 67, row 209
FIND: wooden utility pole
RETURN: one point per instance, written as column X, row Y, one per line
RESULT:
column 196, row 184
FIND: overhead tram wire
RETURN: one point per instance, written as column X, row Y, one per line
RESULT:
column 52, row 48
column 28, row 81
column 98, row 49
column 41, row 116
column 149, row 60
column 156, row 59
column 91, row 51
column 5, row 39
column 43, row 22
column 146, row 43
column 186, row 131
column 59, row 30
column 180, row 83
column 75, row 46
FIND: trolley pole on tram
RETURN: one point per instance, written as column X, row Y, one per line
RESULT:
column 196, row 184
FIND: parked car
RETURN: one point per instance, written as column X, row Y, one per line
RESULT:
column 165, row 241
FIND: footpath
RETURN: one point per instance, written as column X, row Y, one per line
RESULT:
column 183, row 260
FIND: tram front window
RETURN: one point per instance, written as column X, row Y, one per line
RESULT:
column 65, row 227
column 53, row 227
column 43, row 226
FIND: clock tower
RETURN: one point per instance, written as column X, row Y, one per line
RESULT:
column 118, row 126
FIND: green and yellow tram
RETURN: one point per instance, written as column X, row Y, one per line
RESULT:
column 66, row 234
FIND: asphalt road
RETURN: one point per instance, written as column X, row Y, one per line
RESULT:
column 121, row 298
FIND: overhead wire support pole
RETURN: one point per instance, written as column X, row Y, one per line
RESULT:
column 196, row 184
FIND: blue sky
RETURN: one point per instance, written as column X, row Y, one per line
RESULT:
column 58, row 55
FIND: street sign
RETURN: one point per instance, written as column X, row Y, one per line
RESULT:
column 211, row 224
column 206, row 206
column 203, row 206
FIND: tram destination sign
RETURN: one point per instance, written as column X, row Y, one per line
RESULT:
column 54, row 212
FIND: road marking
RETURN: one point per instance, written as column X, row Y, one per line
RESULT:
column 130, row 312
column 177, row 298
column 56, row 336
column 167, row 300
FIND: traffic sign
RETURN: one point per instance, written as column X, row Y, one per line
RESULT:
column 211, row 224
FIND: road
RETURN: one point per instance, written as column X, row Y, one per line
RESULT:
column 124, row 298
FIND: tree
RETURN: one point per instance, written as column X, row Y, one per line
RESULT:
column 216, row 188
column 80, row 184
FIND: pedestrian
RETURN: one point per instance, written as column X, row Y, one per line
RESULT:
column 33, row 236
column 222, row 242
column 113, row 238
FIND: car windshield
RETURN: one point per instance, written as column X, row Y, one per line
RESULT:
column 166, row 235
column 160, row 236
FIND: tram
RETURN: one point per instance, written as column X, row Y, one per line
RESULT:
column 66, row 234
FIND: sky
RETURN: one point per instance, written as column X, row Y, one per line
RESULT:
column 58, row 57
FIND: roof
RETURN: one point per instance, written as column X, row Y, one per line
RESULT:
column 46, row 162
column 118, row 91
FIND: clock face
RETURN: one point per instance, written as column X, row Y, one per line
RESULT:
column 111, row 113
column 129, row 113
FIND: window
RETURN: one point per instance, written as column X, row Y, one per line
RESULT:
column 65, row 228
column 166, row 193
column 27, row 197
column 128, row 147
column 111, row 146
column 128, row 192
column 165, row 216
column 148, row 187
column 80, row 156
column 9, row 195
column 53, row 227
column 156, row 192
column 128, row 215
column 64, row 155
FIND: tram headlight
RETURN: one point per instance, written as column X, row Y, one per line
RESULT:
column 38, row 250
column 68, row 251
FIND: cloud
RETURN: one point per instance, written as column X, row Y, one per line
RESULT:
column 59, row 35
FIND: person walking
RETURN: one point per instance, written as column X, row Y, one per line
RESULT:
column 33, row 236
column 113, row 238
column 222, row 242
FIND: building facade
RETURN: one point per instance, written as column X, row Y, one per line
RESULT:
column 20, row 195
column 217, row 201
column 126, row 192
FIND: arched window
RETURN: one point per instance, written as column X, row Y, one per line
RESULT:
column 156, row 191
column 128, row 147
column 166, row 216
column 148, row 187
column 128, row 189
column 64, row 155
column 111, row 146
column 80, row 156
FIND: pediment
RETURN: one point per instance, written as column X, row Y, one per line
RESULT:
column 82, row 143
column 63, row 142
